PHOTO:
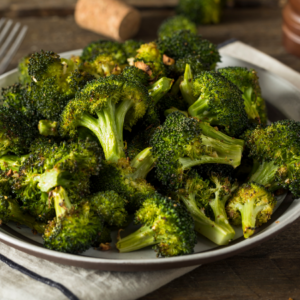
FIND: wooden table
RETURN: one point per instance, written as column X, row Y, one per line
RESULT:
column 271, row 271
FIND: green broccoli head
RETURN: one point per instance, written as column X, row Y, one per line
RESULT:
column 106, row 106
column 247, row 81
column 165, row 224
column 200, row 11
column 130, row 48
column 219, row 103
column 102, row 65
column 169, row 26
column 24, row 77
column 75, row 228
column 205, row 200
column 181, row 143
column 150, row 60
column 129, row 182
column 50, row 165
column 104, row 47
column 135, row 74
column 251, row 205
column 111, row 207
column 184, row 44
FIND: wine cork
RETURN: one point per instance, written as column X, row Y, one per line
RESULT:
column 111, row 18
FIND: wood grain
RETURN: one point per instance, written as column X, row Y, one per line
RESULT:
column 271, row 271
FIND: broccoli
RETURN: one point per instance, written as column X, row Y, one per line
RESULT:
column 104, row 47
column 166, row 225
column 205, row 200
column 24, row 77
column 181, row 143
column 247, row 81
column 49, row 165
column 186, row 86
column 10, row 211
column 55, row 82
column 127, row 179
column 219, row 103
column 200, row 11
column 47, row 128
column 17, row 131
column 251, row 205
column 130, row 48
column 75, row 228
column 184, row 44
column 169, row 26
column 103, row 65
column 276, row 153
column 132, row 73
column 110, row 206
column 105, row 106
column 150, row 60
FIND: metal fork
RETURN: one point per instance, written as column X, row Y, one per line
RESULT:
column 10, row 40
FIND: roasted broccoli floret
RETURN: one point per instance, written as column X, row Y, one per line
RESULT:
column 166, row 225
column 251, row 205
column 127, row 178
column 247, row 81
column 169, row 26
column 205, row 200
column 17, row 131
column 276, row 152
column 135, row 74
column 75, row 228
column 200, row 11
column 219, row 102
column 150, row 60
column 105, row 106
column 53, row 83
column 104, row 47
column 184, row 44
column 130, row 48
column 10, row 211
column 111, row 207
column 50, row 165
column 24, row 77
column 181, row 143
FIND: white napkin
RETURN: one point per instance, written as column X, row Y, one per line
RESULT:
column 41, row 279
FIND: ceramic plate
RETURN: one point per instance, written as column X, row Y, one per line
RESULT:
column 283, row 101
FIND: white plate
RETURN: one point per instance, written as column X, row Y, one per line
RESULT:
column 283, row 102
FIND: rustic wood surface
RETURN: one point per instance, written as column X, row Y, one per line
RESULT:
column 271, row 271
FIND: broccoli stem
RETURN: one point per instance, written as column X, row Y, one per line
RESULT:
column 52, row 178
column 158, row 89
column 249, row 212
column 143, row 163
column 214, row 133
column 249, row 105
column 264, row 174
column 200, row 109
column 219, row 233
column 143, row 237
column 18, row 216
column 11, row 162
column 47, row 128
column 186, row 86
column 219, row 153
column 105, row 129
column 62, row 203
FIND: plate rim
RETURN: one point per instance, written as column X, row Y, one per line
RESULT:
column 151, row 264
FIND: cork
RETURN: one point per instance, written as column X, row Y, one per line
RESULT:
column 112, row 18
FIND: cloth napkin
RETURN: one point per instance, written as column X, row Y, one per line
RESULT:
column 23, row 276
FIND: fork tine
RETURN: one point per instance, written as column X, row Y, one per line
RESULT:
column 5, row 30
column 13, row 49
column 9, row 39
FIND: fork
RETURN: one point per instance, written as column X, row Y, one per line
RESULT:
column 10, row 40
